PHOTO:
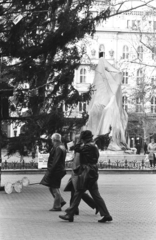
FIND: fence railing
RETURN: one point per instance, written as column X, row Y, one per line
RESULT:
column 124, row 164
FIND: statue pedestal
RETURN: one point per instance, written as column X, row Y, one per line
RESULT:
column 119, row 156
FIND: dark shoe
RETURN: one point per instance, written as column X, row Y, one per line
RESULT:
column 76, row 212
column 55, row 210
column 96, row 211
column 63, row 203
column 105, row 219
column 67, row 218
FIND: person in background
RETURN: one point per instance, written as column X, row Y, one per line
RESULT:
column 138, row 147
column 152, row 150
column 145, row 148
column 55, row 171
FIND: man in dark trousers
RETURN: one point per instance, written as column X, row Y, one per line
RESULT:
column 87, row 178
column 56, row 171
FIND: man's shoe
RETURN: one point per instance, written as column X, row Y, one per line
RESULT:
column 55, row 210
column 67, row 218
column 63, row 203
column 105, row 219
column 76, row 212
column 96, row 210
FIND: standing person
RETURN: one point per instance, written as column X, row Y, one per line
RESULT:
column 145, row 148
column 56, row 171
column 87, row 175
column 152, row 150
column 138, row 147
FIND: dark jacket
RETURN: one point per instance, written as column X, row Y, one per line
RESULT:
column 56, row 167
column 86, row 175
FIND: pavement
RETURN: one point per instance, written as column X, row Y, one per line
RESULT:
column 130, row 198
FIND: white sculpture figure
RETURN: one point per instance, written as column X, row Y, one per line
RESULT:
column 105, row 108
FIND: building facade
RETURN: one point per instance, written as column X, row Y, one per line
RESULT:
column 127, row 41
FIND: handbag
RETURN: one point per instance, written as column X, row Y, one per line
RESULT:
column 69, row 186
column 80, row 177
column 76, row 161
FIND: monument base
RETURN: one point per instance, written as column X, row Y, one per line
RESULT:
column 119, row 156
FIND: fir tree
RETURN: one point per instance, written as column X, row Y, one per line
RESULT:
column 39, row 43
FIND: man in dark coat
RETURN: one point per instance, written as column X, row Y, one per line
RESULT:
column 56, row 171
column 87, row 176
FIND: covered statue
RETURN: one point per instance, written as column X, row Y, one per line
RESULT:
column 105, row 109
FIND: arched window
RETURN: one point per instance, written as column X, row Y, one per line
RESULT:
column 138, row 105
column 125, row 77
column 139, row 76
column 125, row 103
column 101, row 50
column 83, row 75
column 125, row 52
column 140, row 52
column 153, row 105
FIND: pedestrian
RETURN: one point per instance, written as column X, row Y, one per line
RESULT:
column 152, row 151
column 145, row 148
column 55, row 171
column 138, row 147
column 87, row 176
column 70, row 187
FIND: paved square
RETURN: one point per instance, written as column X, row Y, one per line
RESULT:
column 130, row 198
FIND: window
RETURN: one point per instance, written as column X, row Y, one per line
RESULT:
column 82, row 106
column 138, row 105
column 83, row 48
column 128, row 24
column 153, row 80
column 125, row 77
column 125, row 52
column 134, row 25
column 153, row 53
column 154, row 25
column 153, row 105
column 101, row 51
column 83, row 75
column 125, row 103
column 140, row 52
column 139, row 76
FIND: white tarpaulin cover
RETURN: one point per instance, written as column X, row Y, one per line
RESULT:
column 105, row 108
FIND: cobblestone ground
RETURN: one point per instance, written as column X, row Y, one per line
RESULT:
column 130, row 198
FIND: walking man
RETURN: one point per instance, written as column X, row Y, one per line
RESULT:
column 56, row 171
column 87, row 176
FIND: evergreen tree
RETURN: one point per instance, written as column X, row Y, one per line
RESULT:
column 39, row 43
